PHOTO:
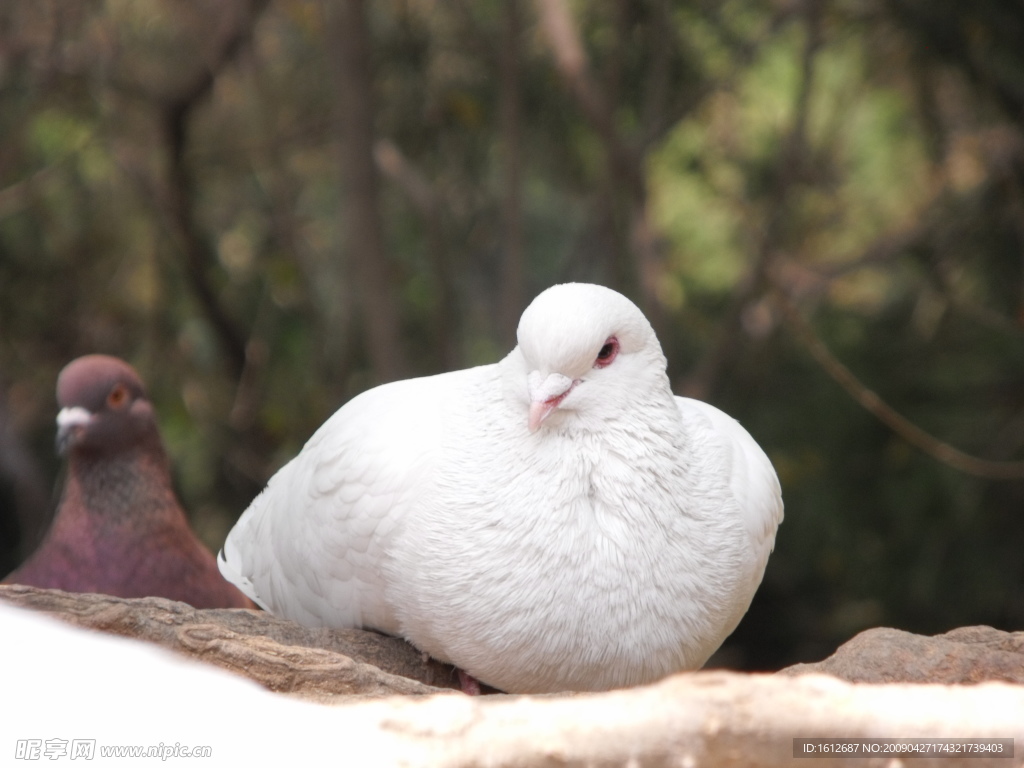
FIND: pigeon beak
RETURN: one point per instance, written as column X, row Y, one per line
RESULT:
column 70, row 423
column 546, row 394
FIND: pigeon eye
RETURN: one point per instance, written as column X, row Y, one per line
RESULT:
column 117, row 397
column 608, row 353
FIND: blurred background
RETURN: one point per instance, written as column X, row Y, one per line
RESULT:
column 268, row 206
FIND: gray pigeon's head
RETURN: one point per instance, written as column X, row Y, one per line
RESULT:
column 104, row 408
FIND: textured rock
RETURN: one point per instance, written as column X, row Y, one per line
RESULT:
column 691, row 719
column 712, row 719
column 965, row 655
column 281, row 655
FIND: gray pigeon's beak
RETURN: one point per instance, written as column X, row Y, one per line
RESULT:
column 546, row 394
column 70, row 421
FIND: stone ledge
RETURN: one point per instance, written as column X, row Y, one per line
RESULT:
column 692, row 719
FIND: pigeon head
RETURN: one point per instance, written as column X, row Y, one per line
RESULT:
column 588, row 350
column 104, row 408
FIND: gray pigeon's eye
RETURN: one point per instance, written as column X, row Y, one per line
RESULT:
column 118, row 396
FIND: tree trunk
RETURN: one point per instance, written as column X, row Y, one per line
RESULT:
column 372, row 268
column 512, row 291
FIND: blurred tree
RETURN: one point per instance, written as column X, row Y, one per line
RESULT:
column 372, row 269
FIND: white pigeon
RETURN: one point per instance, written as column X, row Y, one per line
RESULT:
column 555, row 521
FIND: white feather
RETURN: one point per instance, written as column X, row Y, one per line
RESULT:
column 620, row 542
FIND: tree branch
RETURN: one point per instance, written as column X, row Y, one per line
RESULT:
column 373, row 268
column 625, row 165
column 176, row 111
column 395, row 166
column 788, row 171
column 873, row 404
column 513, row 281
column 574, row 67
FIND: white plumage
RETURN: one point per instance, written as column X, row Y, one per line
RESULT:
column 555, row 521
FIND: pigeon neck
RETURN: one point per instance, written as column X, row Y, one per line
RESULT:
column 130, row 485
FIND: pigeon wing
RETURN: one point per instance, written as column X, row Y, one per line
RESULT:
column 754, row 485
column 313, row 546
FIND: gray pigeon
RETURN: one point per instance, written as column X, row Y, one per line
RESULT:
column 119, row 529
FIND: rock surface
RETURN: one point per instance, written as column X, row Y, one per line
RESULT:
column 72, row 683
column 325, row 663
column 692, row 719
column 278, row 654
column 885, row 655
